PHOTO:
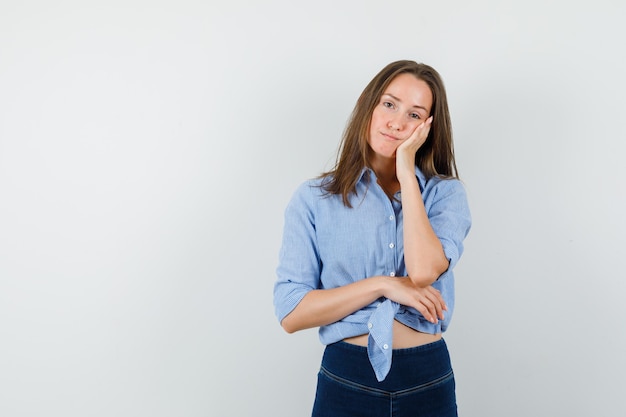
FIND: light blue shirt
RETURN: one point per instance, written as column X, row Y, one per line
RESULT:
column 327, row 245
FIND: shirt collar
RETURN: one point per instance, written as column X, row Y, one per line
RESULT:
column 365, row 175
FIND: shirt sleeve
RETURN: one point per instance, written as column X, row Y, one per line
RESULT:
column 450, row 218
column 299, row 266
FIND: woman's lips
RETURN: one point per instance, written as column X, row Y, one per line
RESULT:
column 390, row 136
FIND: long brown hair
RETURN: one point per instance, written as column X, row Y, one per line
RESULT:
column 434, row 158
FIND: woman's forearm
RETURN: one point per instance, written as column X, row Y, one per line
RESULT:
column 424, row 257
column 322, row 307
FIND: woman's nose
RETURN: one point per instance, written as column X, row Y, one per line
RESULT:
column 394, row 124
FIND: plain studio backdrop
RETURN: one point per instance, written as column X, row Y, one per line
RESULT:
column 148, row 150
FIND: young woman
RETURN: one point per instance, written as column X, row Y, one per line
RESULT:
column 368, row 252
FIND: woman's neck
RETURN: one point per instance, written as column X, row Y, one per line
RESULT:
column 386, row 175
column 385, row 169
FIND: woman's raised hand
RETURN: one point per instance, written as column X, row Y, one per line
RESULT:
column 405, row 154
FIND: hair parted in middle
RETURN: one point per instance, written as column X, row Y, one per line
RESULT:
column 434, row 158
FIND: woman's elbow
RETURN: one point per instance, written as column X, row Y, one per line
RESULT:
column 423, row 280
column 288, row 329
column 288, row 325
column 423, row 277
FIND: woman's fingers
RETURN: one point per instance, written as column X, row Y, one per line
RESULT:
column 428, row 310
column 420, row 134
column 433, row 304
column 405, row 154
column 427, row 300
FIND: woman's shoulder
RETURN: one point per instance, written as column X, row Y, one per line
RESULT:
column 309, row 191
column 444, row 186
column 443, row 181
column 313, row 187
column 437, row 181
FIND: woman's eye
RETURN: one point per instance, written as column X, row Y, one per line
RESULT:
column 415, row 115
column 388, row 104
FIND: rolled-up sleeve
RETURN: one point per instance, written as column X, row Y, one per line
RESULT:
column 450, row 218
column 299, row 266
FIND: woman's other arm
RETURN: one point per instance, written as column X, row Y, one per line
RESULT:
column 326, row 306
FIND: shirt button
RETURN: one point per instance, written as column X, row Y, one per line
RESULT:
column 391, row 245
column 390, row 217
column 385, row 346
column 392, row 274
column 370, row 325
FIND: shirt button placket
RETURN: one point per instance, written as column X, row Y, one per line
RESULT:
column 392, row 245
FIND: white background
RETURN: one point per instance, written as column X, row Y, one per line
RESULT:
column 148, row 149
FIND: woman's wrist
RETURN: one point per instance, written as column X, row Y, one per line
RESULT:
column 383, row 285
column 408, row 180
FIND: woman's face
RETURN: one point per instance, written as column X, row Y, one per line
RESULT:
column 404, row 105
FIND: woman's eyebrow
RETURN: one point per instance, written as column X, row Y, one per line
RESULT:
column 397, row 99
